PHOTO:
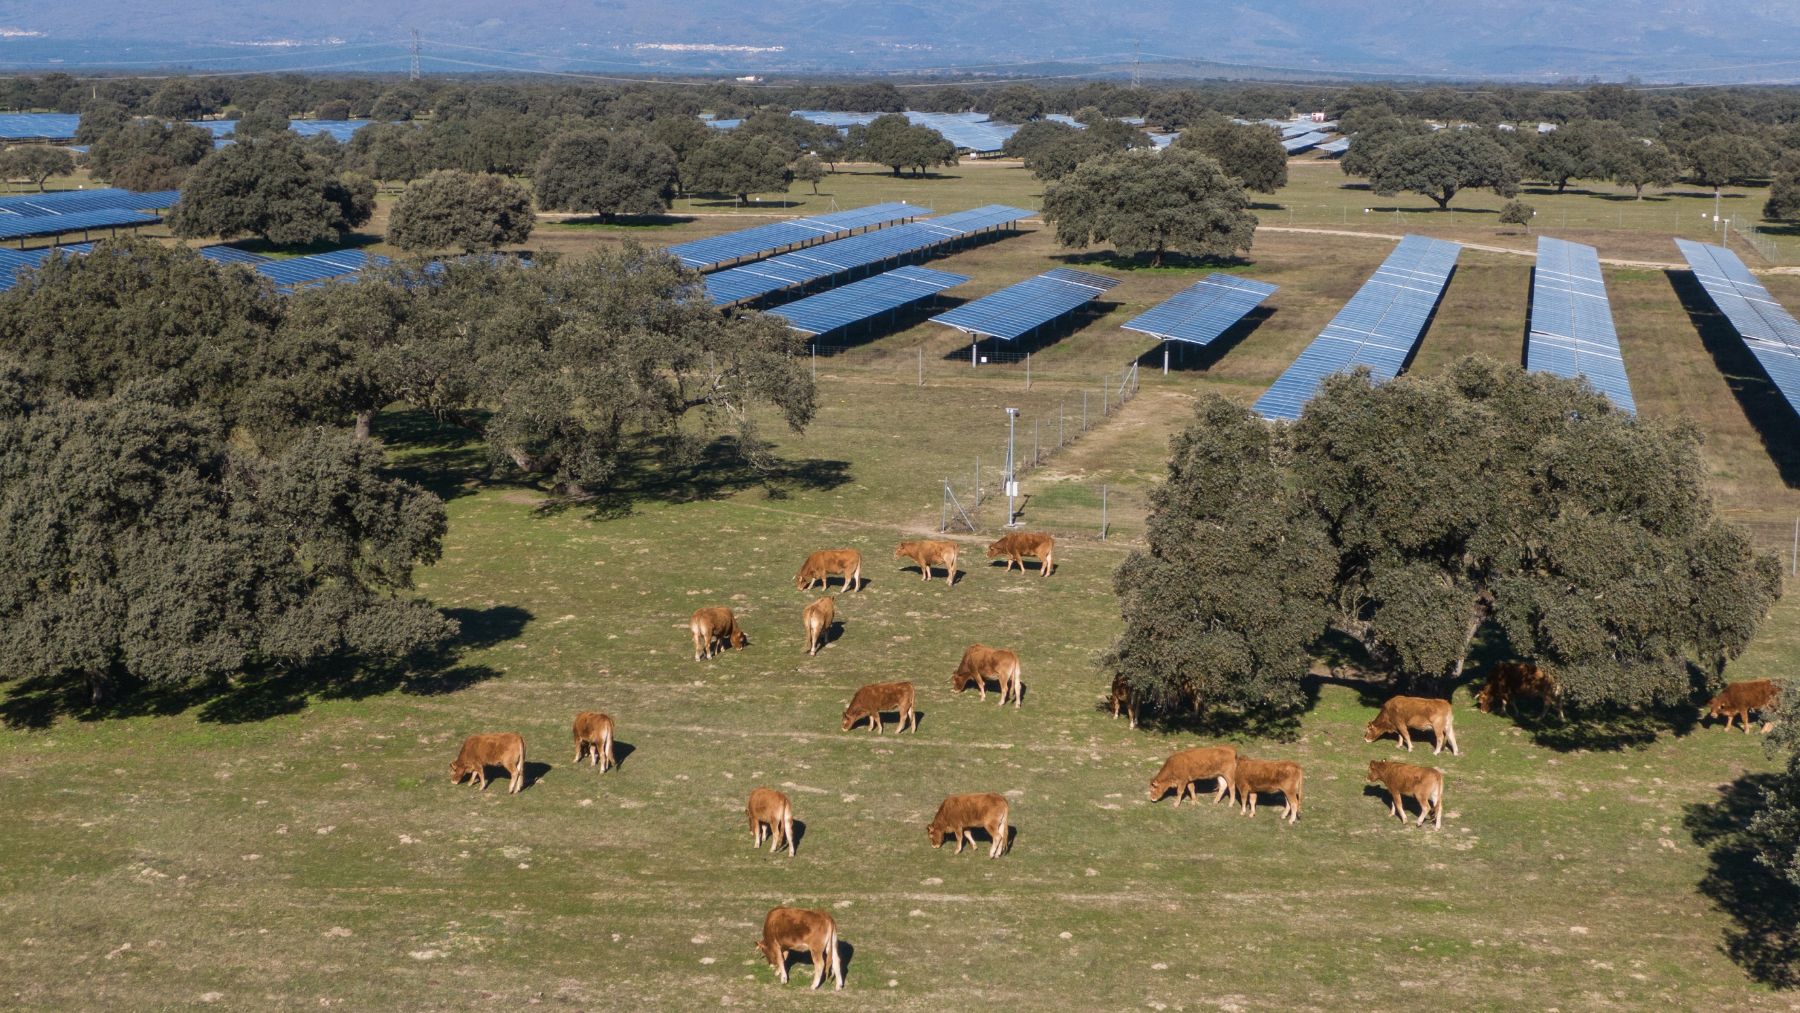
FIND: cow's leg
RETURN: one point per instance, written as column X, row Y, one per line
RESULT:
column 580, row 750
column 1405, row 739
column 781, row 963
column 517, row 777
column 1746, row 718
column 1219, row 795
column 755, row 833
column 1449, row 737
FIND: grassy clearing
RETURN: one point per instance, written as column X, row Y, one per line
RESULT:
column 266, row 849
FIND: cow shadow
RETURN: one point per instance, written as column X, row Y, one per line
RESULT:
column 799, row 833
column 1380, row 791
column 535, row 771
column 1763, row 904
column 622, row 750
column 955, row 575
column 1035, row 567
column 804, row 958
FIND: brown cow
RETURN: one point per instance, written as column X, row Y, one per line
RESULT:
column 594, row 738
column 770, row 807
column 819, row 567
column 793, row 928
column 1740, row 698
column 818, row 618
column 1401, row 714
column 981, row 663
column 1182, row 769
column 1123, row 700
column 928, row 554
column 1252, row 777
column 715, row 629
column 1016, row 546
column 873, row 700
column 479, row 752
column 1424, row 785
column 960, row 814
column 1510, row 680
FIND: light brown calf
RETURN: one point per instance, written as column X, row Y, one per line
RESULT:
column 1424, row 785
column 928, row 554
column 1182, row 769
column 818, row 617
column 1401, row 714
column 820, row 566
column 594, row 738
column 981, row 663
column 771, row 808
column 1740, row 698
column 1250, row 778
column 1016, row 546
column 873, row 700
column 959, row 814
column 715, row 629
column 792, row 928
column 479, row 752
column 1510, row 680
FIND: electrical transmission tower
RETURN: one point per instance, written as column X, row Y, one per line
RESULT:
column 1137, row 56
column 413, row 72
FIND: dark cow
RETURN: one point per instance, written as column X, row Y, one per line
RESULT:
column 479, row 752
column 1424, row 785
column 1016, row 546
column 929, row 554
column 1122, row 700
column 873, row 700
column 961, row 813
column 1510, row 680
column 792, row 928
column 715, row 629
column 981, row 663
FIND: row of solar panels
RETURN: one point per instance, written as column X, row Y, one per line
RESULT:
column 100, row 199
column 1768, row 330
column 296, row 272
column 842, row 256
column 13, row 261
column 967, row 131
column 21, row 227
column 763, row 240
column 30, row 126
column 1572, row 331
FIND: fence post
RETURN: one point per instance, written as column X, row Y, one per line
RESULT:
column 1103, row 512
column 1106, row 395
column 977, row 481
column 922, row 368
column 815, row 362
column 1059, row 425
column 1034, row 442
column 1027, row 370
column 1084, row 411
column 1794, row 556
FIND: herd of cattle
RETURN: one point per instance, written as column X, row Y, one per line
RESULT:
column 771, row 813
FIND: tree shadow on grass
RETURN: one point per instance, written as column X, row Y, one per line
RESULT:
column 1172, row 261
column 446, row 460
column 670, row 470
column 1767, row 411
column 625, row 222
column 1763, row 905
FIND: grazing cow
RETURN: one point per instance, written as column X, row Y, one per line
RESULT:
column 960, row 814
column 928, row 554
column 819, row 567
column 1401, row 714
column 1250, row 778
column 1510, row 680
column 875, row 699
column 1740, row 698
column 1015, row 547
column 793, row 928
column 1182, row 769
column 715, row 629
column 594, row 738
column 981, row 663
column 479, row 752
column 818, row 617
column 1424, row 785
column 1123, row 700
column 771, row 808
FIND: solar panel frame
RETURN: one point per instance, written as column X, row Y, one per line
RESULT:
column 101, row 199
column 1766, row 327
column 1020, row 308
column 222, row 254
column 862, row 300
column 1204, row 310
column 1379, row 327
column 22, row 227
column 774, row 237
column 1572, row 332
column 294, row 272
column 33, row 126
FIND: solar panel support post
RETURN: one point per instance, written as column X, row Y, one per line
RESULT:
column 1794, row 556
column 1103, row 512
column 1027, row 370
column 1165, row 358
column 1011, row 477
column 815, row 362
column 921, row 365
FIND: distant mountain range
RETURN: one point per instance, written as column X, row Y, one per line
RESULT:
column 1656, row 40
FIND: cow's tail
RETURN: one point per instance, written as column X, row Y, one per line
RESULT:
column 518, row 775
column 606, row 749
column 1437, row 804
column 787, row 825
column 833, row 959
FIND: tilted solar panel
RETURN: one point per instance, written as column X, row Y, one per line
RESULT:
column 861, row 300
column 19, row 227
column 1572, row 330
column 841, row 256
column 1203, row 311
column 54, row 126
column 14, row 261
column 1768, row 329
column 1297, row 144
column 317, row 267
column 1018, row 309
column 105, row 198
column 232, row 255
column 1377, row 328
column 761, row 240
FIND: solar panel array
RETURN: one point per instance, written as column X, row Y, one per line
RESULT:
column 1016, row 310
column 841, row 256
column 745, row 244
column 832, row 119
column 861, row 300
column 1336, row 147
column 1572, row 331
column 1300, row 142
column 26, row 227
column 1377, row 328
column 1768, row 329
column 967, row 131
column 24, row 126
column 102, row 199
column 232, row 255
column 14, row 261
column 340, row 130
column 1066, row 120
column 1204, row 310
column 295, row 272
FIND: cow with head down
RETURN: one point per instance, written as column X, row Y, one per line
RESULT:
column 872, row 701
column 1738, row 699
column 959, row 815
column 1184, row 768
column 822, row 565
column 1424, row 785
column 981, row 663
column 1401, row 714
column 792, row 929
column 1016, row 546
column 1510, row 680
column 505, row 750
column 594, row 739
column 715, row 629
column 817, row 617
column 1250, row 778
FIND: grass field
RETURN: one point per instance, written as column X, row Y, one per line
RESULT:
column 274, row 848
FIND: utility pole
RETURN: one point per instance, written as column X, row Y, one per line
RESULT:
column 412, row 73
column 1012, row 483
column 1137, row 57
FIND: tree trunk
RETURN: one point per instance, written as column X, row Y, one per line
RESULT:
column 522, row 460
column 1477, row 616
column 1562, row 185
column 1443, row 202
column 364, row 420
